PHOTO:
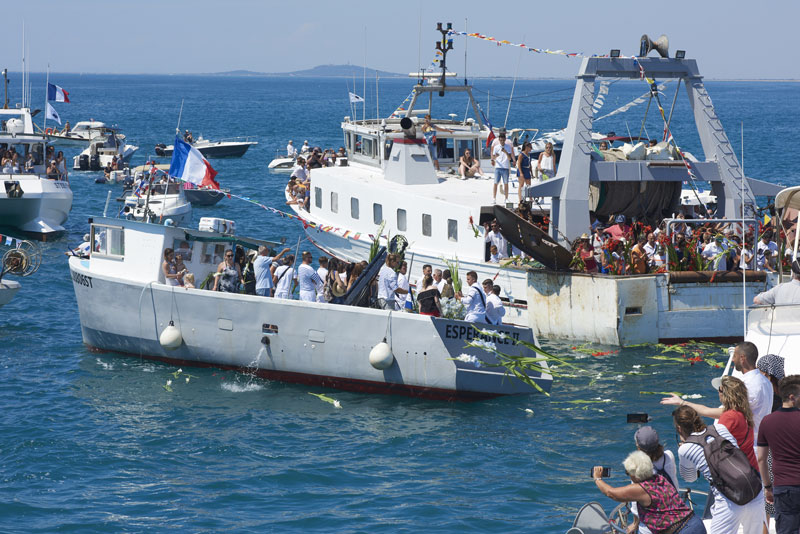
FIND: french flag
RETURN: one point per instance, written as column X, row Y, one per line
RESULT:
column 189, row 165
column 56, row 93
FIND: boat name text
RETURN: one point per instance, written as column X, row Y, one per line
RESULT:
column 454, row 331
column 82, row 279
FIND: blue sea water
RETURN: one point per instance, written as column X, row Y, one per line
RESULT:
column 93, row 442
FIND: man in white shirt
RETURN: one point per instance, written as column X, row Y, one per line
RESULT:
column 650, row 248
column 495, row 311
column 322, row 271
column 766, row 252
column 291, row 151
column 299, row 171
column 284, row 278
column 494, row 237
column 437, row 279
column 474, row 301
column 388, row 291
column 308, row 280
column 502, row 155
column 785, row 293
column 714, row 252
column 263, row 272
column 403, row 301
column 305, row 149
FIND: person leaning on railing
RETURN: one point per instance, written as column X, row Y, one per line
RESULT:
column 659, row 506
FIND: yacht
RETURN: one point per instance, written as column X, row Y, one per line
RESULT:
column 162, row 201
column 80, row 135
column 224, row 148
column 103, row 148
column 30, row 202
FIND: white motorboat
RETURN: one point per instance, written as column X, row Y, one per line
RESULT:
column 80, row 135
column 30, row 202
column 234, row 147
column 102, row 150
column 331, row 345
column 160, row 202
column 283, row 162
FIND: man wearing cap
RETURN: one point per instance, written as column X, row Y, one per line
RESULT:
column 759, row 388
column 779, row 432
column 502, row 155
column 785, row 293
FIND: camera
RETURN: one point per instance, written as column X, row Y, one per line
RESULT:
column 605, row 474
column 638, row 418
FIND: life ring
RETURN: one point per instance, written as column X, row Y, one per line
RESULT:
column 48, row 131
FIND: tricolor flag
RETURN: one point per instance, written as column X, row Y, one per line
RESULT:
column 491, row 131
column 189, row 165
column 355, row 99
column 50, row 113
column 57, row 94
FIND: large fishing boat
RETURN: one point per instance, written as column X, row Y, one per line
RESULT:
column 126, row 306
column 30, row 201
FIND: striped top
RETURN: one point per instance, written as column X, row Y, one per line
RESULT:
column 692, row 459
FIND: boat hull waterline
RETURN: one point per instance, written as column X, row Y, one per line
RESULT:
column 309, row 343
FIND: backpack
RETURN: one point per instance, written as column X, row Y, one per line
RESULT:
column 662, row 471
column 731, row 472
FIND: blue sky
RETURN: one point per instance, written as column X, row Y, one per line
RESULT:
column 730, row 39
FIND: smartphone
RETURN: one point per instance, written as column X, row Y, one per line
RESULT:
column 605, row 474
column 638, row 418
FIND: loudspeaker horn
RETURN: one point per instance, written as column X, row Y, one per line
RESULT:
column 660, row 45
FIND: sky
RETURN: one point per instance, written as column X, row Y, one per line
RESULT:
column 734, row 39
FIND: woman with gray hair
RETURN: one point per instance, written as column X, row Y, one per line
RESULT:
column 659, row 506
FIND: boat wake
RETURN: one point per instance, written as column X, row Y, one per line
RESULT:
column 234, row 387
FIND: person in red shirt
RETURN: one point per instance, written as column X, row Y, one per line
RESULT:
column 586, row 253
column 737, row 416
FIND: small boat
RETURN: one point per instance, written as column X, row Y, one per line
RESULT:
column 81, row 135
column 224, row 148
column 30, row 202
column 197, row 196
column 102, row 150
column 331, row 345
column 21, row 259
column 162, row 201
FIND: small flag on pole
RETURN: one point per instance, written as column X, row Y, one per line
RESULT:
column 355, row 99
column 57, row 94
column 50, row 113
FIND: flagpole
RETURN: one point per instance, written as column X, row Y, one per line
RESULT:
column 46, row 93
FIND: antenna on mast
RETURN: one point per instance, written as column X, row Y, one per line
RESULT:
column 444, row 46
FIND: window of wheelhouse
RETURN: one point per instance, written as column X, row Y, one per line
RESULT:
column 402, row 223
column 426, row 224
column 466, row 144
column 108, row 241
column 452, row 230
column 377, row 213
column 368, row 147
column 354, row 207
column 318, row 197
column 334, row 202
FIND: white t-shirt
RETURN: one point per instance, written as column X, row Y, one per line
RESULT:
column 711, row 251
column 650, row 250
column 497, row 239
column 501, row 160
column 300, row 173
column 307, row 278
column 284, row 285
column 764, row 252
column 291, row 151
column 402, row 283
column 494, row 309
column 440, row 285
column 759, row 393
column 746, row 259
column 387, row 283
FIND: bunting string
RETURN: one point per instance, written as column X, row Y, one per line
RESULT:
column 13, row 242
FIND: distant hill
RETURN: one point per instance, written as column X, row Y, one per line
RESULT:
column 333, row 71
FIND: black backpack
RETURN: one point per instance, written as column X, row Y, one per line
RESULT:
column 731, row 472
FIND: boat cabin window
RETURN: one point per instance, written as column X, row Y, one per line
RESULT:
column 426, row 224
column 452, row 230
column 213, row 253
column 334, row 202
column 465, row 144
column 368, row 147
column 109, row 241
column 377, row 213
column 318, row 197
column 168, row 189
column 184, row 248
column 444, row 147
column 402, row 224
column 354, row 207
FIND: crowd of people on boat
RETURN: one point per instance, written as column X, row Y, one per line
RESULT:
column 759, row 417
column 279, row 276
column 299, row 187
column 12, row 162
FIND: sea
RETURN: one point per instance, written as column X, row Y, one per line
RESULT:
column 95, row 442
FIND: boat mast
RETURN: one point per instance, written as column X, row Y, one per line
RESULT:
column 46, row 94
column 180, row 114
column 444, row 46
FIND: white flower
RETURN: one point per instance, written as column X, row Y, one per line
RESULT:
column 337, row 404
column 637, row 366
column 485, row 345
column 180, row 370
column 187, row 379
column 466, row 358
column 528, row 410
column 695, row 396
column 169, row 382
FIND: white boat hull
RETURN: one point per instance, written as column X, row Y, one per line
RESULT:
column 309, row 343
column 8, row 288
column 42, row 208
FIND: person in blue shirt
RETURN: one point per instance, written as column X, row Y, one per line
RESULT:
column 262, row 269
